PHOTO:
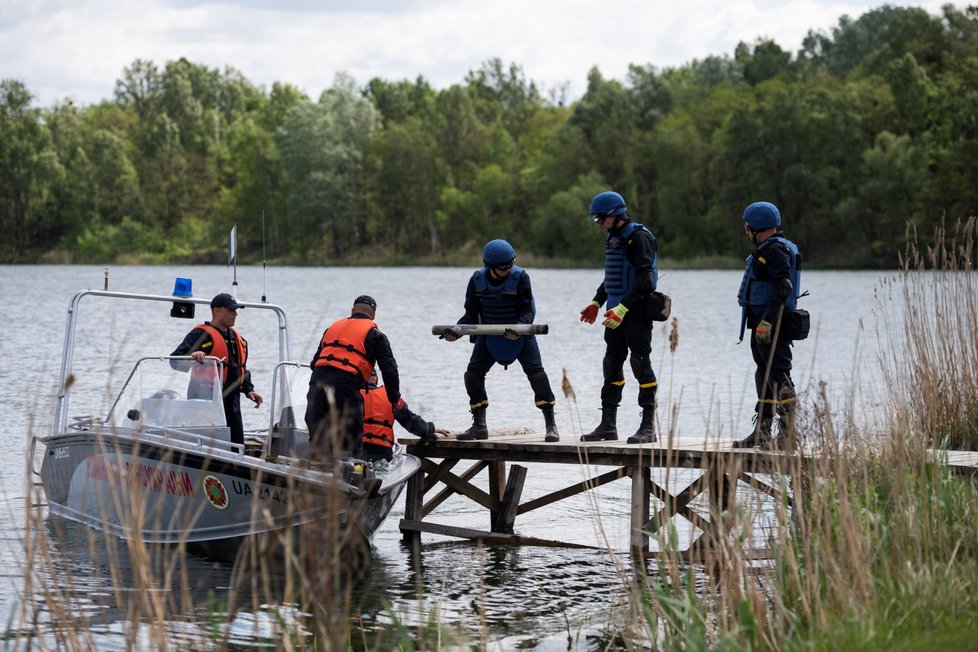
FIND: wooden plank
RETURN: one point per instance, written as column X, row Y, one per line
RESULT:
column 511, row 500
column 463, row 487
column 448, row 492
column 574, row 489
column 488, row 537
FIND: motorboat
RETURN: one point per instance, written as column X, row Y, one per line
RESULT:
column 160, row 465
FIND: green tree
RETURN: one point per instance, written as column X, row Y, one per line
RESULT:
column 408, row 183
column 28, row 168
column 323, row 146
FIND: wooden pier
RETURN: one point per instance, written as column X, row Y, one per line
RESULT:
column 723, row 471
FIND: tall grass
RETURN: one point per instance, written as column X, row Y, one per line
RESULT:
column 876, row 548
column 879, row 550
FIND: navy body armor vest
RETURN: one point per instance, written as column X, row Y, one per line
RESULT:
column 619, row 273
column 754, row 293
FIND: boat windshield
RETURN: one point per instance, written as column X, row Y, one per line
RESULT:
column 172, row 392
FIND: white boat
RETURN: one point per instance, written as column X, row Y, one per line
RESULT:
column 160, row 465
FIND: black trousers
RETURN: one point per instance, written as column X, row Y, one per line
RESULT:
column 633, row 337
column 232, row 414
column 334, row 413
column 772, row 378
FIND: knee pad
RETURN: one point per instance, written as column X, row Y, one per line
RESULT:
column 475, row 384
column 539, row 382
column 641, row 367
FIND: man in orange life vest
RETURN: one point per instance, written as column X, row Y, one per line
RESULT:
column 378, row 422
column 218, row 338
column 341, row 367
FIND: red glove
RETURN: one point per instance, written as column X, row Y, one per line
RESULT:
column 590, row 313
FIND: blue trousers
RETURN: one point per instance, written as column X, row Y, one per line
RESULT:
column 529, row 358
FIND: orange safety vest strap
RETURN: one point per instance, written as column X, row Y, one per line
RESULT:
column 344, row 346
column 378, row 418
column 219, row 350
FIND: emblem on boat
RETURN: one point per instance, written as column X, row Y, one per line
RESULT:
column 216, row 494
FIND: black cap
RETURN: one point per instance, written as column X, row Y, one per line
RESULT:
column 366, row 300
column 225, row 300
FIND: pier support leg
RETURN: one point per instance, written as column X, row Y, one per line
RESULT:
column 497, row 486
column 641, row 482
column 511, row 500
column 413, row 505
column 723, row 498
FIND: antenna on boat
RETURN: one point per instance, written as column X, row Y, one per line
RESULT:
column 233, row 258
column 263, row 299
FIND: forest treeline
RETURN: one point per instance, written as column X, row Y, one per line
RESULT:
column 867, row 128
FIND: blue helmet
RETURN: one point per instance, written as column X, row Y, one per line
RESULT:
column 498, row 252
column 762, row 215
column 607, row 204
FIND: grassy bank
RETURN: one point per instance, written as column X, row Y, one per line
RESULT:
column 880, row 549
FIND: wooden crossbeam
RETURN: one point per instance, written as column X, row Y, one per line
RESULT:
column 434, row 478
column 448, row 492
column 461, row 486
column 678, row 504
column 763, row 487
column 408, row 525
column 580, row 487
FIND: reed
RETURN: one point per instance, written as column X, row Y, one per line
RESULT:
column 871, row 541
column 878, row 547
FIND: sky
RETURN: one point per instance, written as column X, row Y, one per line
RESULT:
column 77, row 49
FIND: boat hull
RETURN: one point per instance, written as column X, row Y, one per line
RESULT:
column 163, row 492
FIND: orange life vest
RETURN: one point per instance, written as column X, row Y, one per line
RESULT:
column 378, row 418
column 344, row 347
column 220, row 351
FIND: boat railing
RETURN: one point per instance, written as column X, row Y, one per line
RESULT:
column 284, row 432
column 67, row 357
column 177, row 393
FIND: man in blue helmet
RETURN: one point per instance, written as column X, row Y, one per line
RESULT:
column 769, row 288
column 500, row 293
column 630, row 276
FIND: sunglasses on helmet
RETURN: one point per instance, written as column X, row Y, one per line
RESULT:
column 601, row 217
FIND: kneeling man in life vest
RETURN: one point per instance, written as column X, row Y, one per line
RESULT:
column 378, row 422
column 341, row 367
column 500, row 293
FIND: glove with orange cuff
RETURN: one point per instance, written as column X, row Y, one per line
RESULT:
column 590, row 313
column 763, row 332
column 612, row 318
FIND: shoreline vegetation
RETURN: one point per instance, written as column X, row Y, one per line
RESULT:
column 878, row 549
column 868, row 126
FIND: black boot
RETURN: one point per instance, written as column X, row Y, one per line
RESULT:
column 478, row 429
column 606, row 429
column 761, row 436
column 551, row 424
column 786, row 438
column 646, row 430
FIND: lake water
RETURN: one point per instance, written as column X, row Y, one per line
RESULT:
column 529, row 595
